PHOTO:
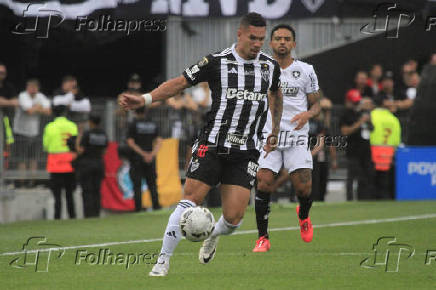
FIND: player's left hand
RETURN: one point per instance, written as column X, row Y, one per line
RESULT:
column 302, row 119
column 271, row 144
column 130, row 101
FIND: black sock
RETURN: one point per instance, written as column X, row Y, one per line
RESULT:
column 305, row 205
column 262, row 208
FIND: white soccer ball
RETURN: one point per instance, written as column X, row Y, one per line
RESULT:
column 197, row 223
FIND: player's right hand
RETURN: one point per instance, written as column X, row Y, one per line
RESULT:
column 271, row 144
column 130, row 101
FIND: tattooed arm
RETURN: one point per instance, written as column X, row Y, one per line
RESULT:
column 275, row 99
column 315, row 109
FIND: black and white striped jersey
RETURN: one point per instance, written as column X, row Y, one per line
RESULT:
column 239, row 96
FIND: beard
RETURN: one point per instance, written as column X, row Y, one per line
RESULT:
column 282, row 52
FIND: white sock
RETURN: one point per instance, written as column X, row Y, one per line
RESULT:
column 172, row 233
column 223, row 227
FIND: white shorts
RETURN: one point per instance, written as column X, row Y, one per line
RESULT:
column 291, row 158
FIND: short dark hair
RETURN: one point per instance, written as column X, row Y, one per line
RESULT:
column 95, row 118
column 253, row 19
column 60, row 110
column 285, row 26
column 68, row 78
column 33, row 81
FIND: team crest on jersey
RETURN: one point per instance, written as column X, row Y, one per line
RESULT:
column 264, row 71
column 296, row 74
column 203, row 62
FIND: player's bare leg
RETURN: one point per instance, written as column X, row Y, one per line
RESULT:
column 302, row 182
column 264, row 189
column 194, row 194
column 234, row 199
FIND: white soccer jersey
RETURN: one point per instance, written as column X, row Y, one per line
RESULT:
column 297, row 80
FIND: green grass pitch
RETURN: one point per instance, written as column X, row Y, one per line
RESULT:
column 332, row 260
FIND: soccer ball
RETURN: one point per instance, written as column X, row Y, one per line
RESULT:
column 197, row 223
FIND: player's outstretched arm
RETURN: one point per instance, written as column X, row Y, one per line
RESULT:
column 164, row 91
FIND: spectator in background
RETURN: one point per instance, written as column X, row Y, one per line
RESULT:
column 80, row 107
column 409, row 94
column 375, row 75
column 355, row 124
column 64, row 95
column 32, row 104
column 133, row 86
column 360, row 83
column 60, row 156
column 323, row 150
column 387, row 91
column 91, row 166
column 433, row 59
column 186, row 119
column 144, row 140
column 407, row 69
column 8, row 102
column 384, row 139
column 201, row 96
column 398, row 103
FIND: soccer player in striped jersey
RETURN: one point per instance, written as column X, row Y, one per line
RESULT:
column 299, row 85
column 244, row 82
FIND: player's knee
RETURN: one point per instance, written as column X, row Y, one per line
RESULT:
column 264, row 186
column 264, row 182
column 304, row 189
column 234, row 219
column 193, row 196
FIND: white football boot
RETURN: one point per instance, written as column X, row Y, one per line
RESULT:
column 161, row 268
column 208, row 249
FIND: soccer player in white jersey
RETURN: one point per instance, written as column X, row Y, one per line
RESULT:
column 299, row 86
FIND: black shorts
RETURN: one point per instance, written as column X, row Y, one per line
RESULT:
column 213, row 165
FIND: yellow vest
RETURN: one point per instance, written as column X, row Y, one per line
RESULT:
column 56, row 134
column 387, row 129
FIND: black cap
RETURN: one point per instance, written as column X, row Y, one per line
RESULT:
column 135, row 78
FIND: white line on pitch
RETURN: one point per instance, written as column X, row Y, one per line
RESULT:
column 351, row 223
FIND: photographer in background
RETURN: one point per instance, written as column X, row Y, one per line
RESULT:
column 356, row 125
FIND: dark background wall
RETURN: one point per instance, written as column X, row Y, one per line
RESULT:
column 102, row 61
